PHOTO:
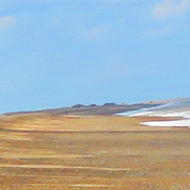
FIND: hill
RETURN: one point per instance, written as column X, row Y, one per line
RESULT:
column 79, row 109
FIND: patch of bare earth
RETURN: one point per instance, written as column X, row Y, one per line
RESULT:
column 46, row 152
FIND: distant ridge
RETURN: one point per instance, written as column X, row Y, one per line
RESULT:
column 93, row 109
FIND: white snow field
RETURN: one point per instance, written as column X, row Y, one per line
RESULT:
column 176, row 108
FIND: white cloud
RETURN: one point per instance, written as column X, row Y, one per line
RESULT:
column 170, row 8
column 96, row 32
column 122, row 20
column 156, row 32
column 6, row 22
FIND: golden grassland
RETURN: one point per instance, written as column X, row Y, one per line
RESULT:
column 49, row 152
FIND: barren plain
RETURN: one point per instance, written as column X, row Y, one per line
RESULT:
column 54, row 152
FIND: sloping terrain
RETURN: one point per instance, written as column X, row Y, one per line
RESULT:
column 107, row 109
column 54, row 152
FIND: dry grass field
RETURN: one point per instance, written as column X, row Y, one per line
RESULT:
column 49, row 152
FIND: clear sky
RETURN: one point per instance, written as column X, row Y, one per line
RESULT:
column 57, row 53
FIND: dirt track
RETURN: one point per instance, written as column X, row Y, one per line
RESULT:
column 55, row 153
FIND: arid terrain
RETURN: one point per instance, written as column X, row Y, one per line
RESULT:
column 54, row 152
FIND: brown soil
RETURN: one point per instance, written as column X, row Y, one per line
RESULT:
column 46, row 152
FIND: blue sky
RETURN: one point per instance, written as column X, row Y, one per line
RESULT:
column 60, row 53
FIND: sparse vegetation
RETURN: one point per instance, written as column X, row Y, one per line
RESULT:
column 50, row 152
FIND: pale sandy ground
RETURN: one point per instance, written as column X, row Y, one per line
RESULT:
column 45, row 152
